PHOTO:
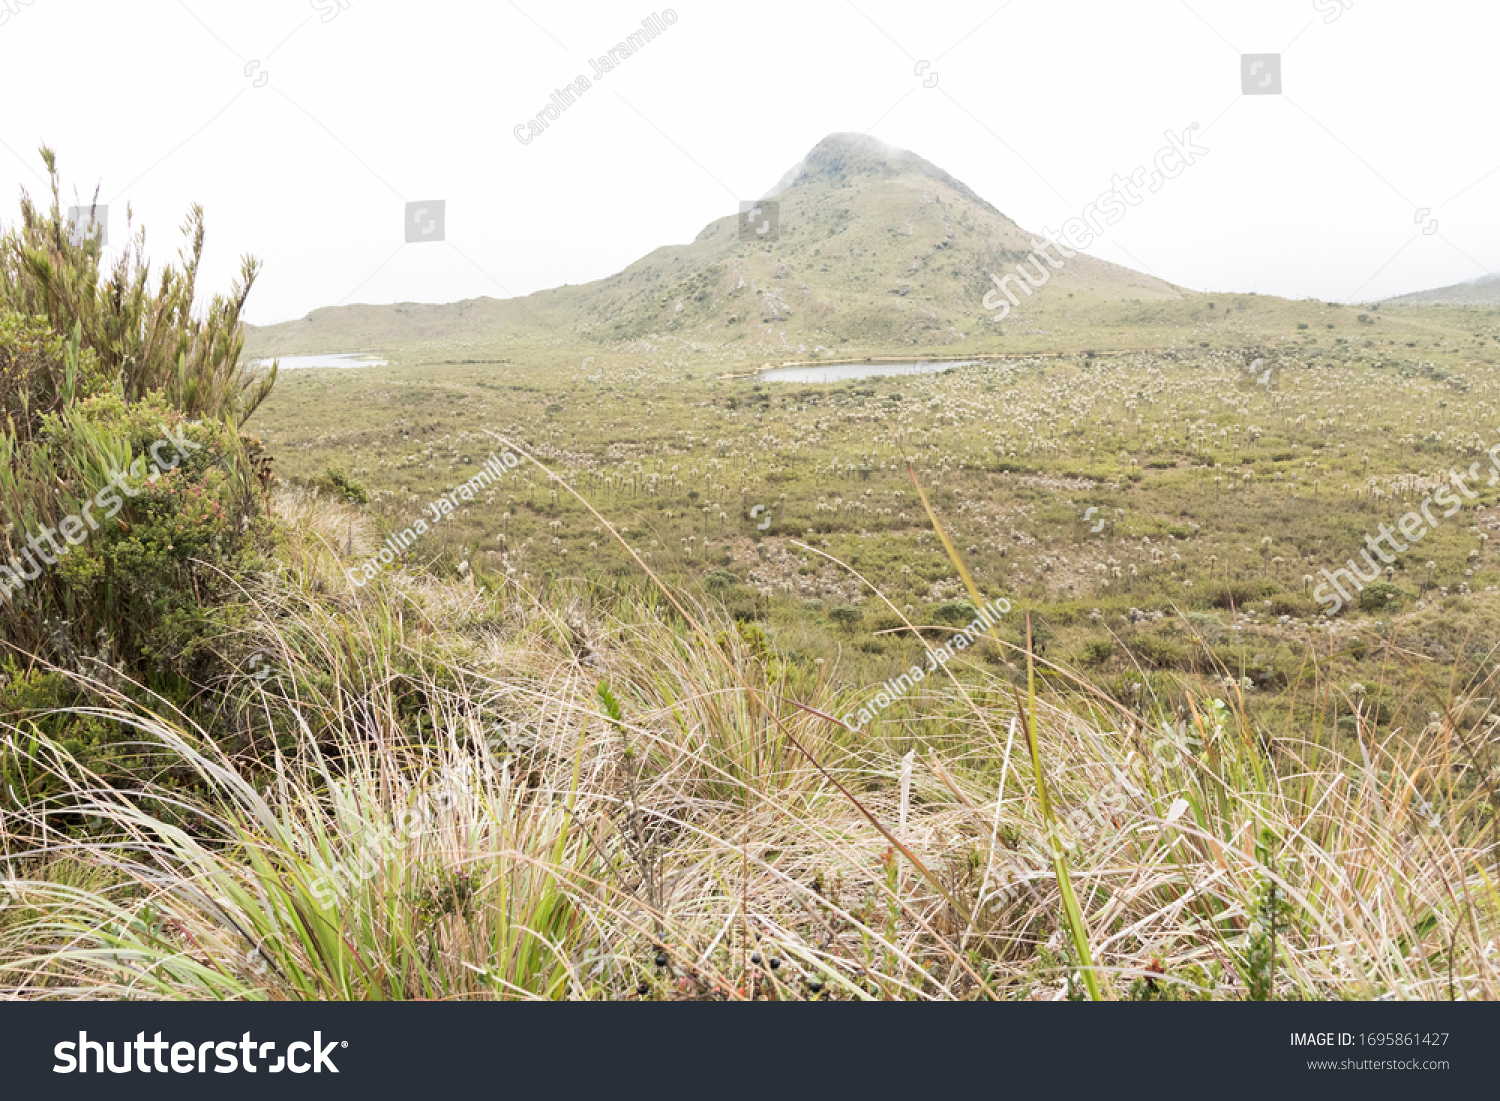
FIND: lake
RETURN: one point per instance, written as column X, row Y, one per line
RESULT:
column 340, row 359
column 841, row 372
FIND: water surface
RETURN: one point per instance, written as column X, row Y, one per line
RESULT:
column 841, row 372
column 336, row 359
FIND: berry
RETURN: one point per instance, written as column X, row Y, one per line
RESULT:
column 755, row 958
column 775, row 963
column 661, row 958
column 643, row 990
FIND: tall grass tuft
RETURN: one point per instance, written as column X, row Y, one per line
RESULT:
column 431, row 796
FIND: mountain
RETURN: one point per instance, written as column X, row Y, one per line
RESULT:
column 1484, row 291
column 875, row 245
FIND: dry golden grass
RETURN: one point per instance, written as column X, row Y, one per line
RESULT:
column 483, row 820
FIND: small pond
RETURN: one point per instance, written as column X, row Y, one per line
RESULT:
column 841, row 372
column 338, row 359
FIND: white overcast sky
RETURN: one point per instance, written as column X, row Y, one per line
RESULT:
column 1388, row 107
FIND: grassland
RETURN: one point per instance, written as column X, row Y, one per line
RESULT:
column 448, row 791
column 584, row 738
column 515, row 766
column 1217, row 495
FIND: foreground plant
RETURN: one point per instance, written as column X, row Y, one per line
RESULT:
column 430, row 796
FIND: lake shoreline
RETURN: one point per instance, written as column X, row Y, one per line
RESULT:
column 295, row 362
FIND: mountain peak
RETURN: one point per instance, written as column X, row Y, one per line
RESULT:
column 874, row 243
column 839, row 158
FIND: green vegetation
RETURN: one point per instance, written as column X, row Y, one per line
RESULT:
column 1213, row 494
column 585, row 737
column 575, row 796
column 119, row 558
column 148, row 340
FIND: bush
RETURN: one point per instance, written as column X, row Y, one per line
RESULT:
column 341, row 487
column 1206, row 624
column 1096, row 652
column 1295, row 604
column 1234, row 594
column 40, row 372
column 146, row 330
column 138, row 582
column 1158, row 651
column 120, row 438
column 846, row 616
column 958, row 613
column 1381, row 596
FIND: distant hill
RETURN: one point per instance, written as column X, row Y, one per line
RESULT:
column 1484, row 291
column 875, row 245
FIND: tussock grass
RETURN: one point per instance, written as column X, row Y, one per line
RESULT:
column 446, row 792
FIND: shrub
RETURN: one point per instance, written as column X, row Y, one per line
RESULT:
column 146, row 330
column 1381, row 596
column 85, row 419
column 36, row 701
column 1210, row 626
column 341, row 487
column 1096, row 652
column 40, row 372
column 1158, row 651
column 144, row 576
column 955, row 612
column 1234, row 594
column 846, row 616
